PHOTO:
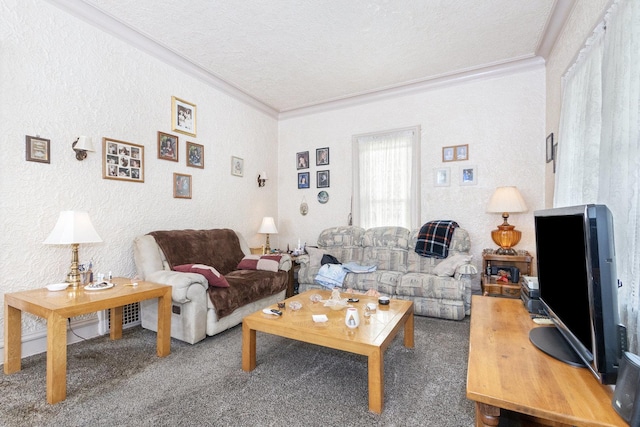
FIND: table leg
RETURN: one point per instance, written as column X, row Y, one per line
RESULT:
column 164, row 325
column 408, row 331
column 248, row 348
column 56, row 358
column 376, row 381
column 12, row 339
column 487, row 415
column 115, row 327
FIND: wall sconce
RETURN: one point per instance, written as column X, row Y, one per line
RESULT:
column 81, row 146
column 262, row 179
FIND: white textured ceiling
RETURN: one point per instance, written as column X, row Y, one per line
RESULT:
column 289, row 54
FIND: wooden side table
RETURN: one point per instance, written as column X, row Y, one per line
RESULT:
column 505, row 289
column 57, row 307
column 291, row 285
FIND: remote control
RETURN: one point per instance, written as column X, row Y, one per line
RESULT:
column 353, row 300
column 278, row 312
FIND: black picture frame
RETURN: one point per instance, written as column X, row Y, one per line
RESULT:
column 322, row 156
column 302, row 160
column 322, row 179
column 303, row 179
column 550, row 155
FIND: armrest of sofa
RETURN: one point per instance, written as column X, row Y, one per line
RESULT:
column 180, row 282
column 285, row 262
column 303, row 259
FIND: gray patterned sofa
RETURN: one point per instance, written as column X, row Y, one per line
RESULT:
column 437, row 287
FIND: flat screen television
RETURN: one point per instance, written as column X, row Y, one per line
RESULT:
column 578, row 289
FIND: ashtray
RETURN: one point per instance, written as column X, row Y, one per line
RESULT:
column 58, row 286
column 295, row 305
column 315, row 298
column 383, row 300
column 336, row 304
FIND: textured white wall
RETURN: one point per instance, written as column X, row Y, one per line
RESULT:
column 501, row 118
column 61, row 78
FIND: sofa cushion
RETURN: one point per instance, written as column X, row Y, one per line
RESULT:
column 211, row 274
column 315, row 256
column 260, row 262
column 449, row 265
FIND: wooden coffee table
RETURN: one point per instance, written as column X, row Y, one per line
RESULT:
column 57, row 307
column 370, row 339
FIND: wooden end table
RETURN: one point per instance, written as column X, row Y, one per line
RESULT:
column 370, row 339
column 57, row 307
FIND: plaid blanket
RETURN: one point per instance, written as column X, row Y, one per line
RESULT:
column 434, row 238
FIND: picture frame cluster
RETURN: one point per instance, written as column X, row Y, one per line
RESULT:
column 323, row 177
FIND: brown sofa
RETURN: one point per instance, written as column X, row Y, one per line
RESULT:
column 199, row 308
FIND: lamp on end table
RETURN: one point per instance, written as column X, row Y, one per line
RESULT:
column 267, row 227
column 505, row 200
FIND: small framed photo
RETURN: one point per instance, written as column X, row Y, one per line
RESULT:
column 303, row 180
column 462, row 152
column 181, row 186
column 322, row 156
column 448, row 154
column 122, row 160
column 237, row 166
column 322, row 179
column 442, row 177
column 469, row 175
column 550, row 153
column 183, row 116
column 167, row 147
column 38, row 149
column 302, row 160
column 195, row 155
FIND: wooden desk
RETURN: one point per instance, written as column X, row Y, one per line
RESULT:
column 57, row 307
column 507, row 371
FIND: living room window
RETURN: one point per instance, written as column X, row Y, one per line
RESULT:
column 386, row 182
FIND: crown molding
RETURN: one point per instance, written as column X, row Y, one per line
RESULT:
column 487, row 72
column 110, row 25
column 554, row 26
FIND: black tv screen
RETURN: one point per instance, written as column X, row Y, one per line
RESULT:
column 578, row 287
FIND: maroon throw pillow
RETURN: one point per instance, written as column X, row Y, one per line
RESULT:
column 211, row 274
column 260, row 262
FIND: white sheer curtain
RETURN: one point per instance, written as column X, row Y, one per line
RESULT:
column 606, row 146
column 386, row 179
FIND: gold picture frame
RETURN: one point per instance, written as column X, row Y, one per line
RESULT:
column 168, row 146
column 122, row 160
column 183, row 116
column 195, row 155
column 181, row 186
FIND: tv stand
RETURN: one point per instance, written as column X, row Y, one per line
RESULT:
column 550, row 340
column 507, row 372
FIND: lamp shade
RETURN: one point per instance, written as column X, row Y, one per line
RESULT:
column 263, row 175
column 73, row 227
column 268, row 226
column 506, row 199
column 84, row 143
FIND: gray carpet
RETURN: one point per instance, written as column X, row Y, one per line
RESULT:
column 123, row 383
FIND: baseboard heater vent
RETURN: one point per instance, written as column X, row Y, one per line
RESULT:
column 130, row 318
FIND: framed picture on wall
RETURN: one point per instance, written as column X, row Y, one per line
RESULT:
column 302, row 160
column 322, row 156
column 122, row 160
column 167, row 147
column 195, row 155
column 181, row 186
column 303, row 180
column 469, row 175
column 442, row 177
column 322, row 179
column 237, row 166
column 448, row 154
column 462, row 152
column 183, row 116
column 38, row 149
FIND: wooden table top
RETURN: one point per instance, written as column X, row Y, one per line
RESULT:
column 507, row 371
column 299, row 325
column 72, row 302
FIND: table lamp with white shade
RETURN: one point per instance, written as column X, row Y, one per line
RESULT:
column 505, row 200
column 267, row 227
column 73, row 228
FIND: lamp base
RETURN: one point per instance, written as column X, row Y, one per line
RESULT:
column 506, row 237
column 506, row 251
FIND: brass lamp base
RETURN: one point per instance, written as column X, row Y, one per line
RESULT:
column 73, row 278
column 506, row 237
